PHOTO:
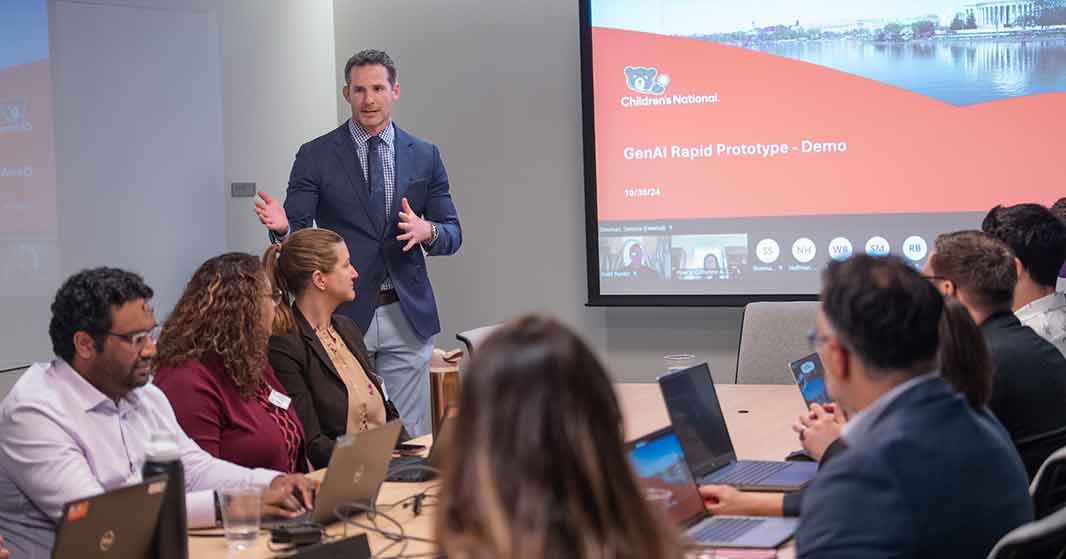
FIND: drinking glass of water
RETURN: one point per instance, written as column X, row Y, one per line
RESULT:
column 240, row 516
column 679, row 361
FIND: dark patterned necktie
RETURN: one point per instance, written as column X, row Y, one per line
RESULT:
column 375, row 175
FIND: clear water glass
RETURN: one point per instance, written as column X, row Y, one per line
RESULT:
column 241, row 509
column 679, row 361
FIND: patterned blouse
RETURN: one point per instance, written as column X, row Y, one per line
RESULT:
column 366, row 408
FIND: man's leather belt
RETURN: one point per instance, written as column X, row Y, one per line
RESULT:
column 387, row 297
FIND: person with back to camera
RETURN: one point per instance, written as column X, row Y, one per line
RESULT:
column 1038, row 239
column 1029, row 384
column 964, row 363
column 317, row 353
column 213, row 367
column 913, row 480
column 538, row 467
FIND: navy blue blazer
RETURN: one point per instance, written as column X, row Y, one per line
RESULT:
column 327, row 187
column 932, row 478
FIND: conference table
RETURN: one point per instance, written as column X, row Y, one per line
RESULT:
column 758, row 417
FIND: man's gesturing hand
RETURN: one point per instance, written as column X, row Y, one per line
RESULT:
column 271, row 214
column 416, row 230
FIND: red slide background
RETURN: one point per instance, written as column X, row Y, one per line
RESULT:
column 28, row 204
column 906, row 153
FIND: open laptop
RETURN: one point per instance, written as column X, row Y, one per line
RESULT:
column 406, row 468
column 659, row 462
column 810, row 378
column 119, row 524
column 697, row 418
column 356, row 470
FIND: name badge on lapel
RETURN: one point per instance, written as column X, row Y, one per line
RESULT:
column 280, row 400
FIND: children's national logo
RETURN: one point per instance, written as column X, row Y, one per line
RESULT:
column 646, row 80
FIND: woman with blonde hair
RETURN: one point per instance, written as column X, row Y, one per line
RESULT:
column 212, row 365
column 319, row 355
column 537, row 467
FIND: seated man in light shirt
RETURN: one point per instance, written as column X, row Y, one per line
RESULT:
column 1038, row 239
column 79, row 426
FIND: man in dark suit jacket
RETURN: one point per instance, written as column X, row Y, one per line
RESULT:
column 1029, row 386
column 924, row 474
column 386, row 192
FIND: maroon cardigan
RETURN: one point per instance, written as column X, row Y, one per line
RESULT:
column 213, row 413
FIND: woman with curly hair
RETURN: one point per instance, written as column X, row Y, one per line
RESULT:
column 212, row 365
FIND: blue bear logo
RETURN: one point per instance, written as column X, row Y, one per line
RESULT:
column 645, row 80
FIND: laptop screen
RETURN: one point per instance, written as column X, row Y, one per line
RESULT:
column 697, row 418
column 810, row 377
column 658, row 461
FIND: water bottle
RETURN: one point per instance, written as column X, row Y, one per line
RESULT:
column 171, row 533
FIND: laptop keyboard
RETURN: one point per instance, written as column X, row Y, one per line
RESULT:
column 725, row 530
column 750, row 472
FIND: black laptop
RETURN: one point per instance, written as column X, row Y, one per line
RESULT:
column 119, row 524
column 659, row 462
column 414, row 469
column 697, row 418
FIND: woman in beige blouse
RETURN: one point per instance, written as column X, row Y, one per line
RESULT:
column 319, row 356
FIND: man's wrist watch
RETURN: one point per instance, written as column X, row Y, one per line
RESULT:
column 433, row 237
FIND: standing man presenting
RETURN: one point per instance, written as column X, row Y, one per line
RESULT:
column 386, row 192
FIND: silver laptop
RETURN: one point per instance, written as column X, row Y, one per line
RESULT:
column 119, row 524
column 659, row 462
column 356, row 470
column 697, row 418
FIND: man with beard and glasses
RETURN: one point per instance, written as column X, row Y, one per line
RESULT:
column 79, row 426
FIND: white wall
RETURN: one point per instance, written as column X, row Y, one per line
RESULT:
column 160, row 104
column 278, row 76
column 138, row 142
column 497, row 86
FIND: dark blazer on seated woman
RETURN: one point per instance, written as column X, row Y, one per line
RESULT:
column 319, row 394
column 259, row 431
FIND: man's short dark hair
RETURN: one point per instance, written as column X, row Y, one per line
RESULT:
column 980, row 265
column 883, row 310
column 1059, row 208
column 84, row 303
column 370, row 57
column 1036, row 236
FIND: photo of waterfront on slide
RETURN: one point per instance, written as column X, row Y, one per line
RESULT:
column 954, row 51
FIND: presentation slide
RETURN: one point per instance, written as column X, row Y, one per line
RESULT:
column 29, row 259
column 739, row 146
